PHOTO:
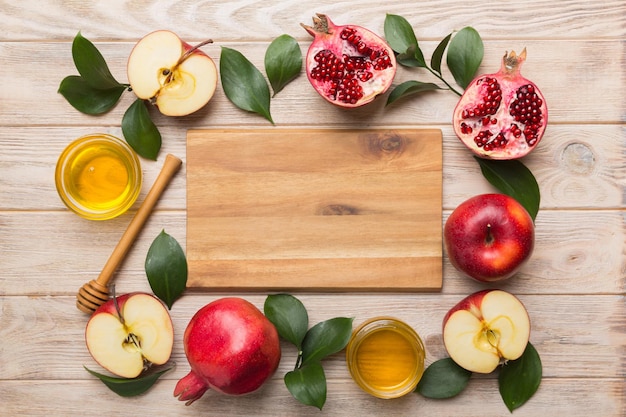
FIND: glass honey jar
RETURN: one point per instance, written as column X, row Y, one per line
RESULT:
column 98, row 176
column 385, row 357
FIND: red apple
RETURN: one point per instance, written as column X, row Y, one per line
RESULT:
column 231, row 347
column 485, row 329
column 171, row 73
column 489, row 237
column 122, row 340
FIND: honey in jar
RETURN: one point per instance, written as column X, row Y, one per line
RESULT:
column 98, row 176
column 385, row 357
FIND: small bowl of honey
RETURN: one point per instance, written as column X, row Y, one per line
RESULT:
column 385, row 357
column 98, row 176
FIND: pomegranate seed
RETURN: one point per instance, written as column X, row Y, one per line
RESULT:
column 482, row 138
column 491, row 97
column 347, row 32
column 362, row 48
column 465, row 128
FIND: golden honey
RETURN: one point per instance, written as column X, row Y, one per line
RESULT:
column 385, row 357
column 98, row 176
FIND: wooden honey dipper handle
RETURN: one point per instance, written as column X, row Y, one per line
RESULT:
column 170, row 167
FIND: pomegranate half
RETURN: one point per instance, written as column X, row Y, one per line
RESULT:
column 501, row 115
column 348, row 65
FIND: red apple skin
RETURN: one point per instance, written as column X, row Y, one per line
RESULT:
column 231, row 347
column 471, row 302
column 489, row 237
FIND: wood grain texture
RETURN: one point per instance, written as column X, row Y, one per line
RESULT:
column 574, row 285
column 588, row 258
column 332, row 209
column 578, row 166
column 585, row 62
column 254, row 20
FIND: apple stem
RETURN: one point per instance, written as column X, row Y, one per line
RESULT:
column 489, row 238
column 192, row 50
column 117, row 306
column 183, row 57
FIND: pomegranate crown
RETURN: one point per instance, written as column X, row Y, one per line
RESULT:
column 321, row 24
column 511, row 63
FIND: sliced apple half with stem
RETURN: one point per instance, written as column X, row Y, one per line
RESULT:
column 175, row 76
column 485, row 329
column 128, row 333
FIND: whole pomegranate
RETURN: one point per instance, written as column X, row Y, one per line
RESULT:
column 501, row 115
column 231, row 347
column 348, row 65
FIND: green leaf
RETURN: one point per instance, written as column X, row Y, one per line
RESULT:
column 128, row 387
column 443, row 379
column 513, row 178
column 140, row 132
column 91, row 65
column 244, row 84
column 413, row 57
column 308, row 384
column 289, row 316
column 326, row 338
column 408, row 88
column 87, row 99
column 166, row 268
column 465, row 53
column 437, row 57
column 283, row 61
column 401, row 37
column 399, row 33
column 519, row 379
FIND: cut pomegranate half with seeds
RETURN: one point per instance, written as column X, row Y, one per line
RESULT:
column 348, row 65
column 501, row 115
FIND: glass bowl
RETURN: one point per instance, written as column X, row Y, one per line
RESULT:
column 98, row 176
column 385, row 357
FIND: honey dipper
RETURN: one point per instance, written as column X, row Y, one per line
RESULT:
column 95, row 292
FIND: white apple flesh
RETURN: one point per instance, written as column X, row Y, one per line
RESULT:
column 143, row 333
column 171, row 74
column 485, row 329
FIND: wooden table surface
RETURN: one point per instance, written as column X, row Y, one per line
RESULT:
column 573, row 286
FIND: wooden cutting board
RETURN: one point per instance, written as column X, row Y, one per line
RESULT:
column 302, row 209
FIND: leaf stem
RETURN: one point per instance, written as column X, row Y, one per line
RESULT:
column 298, row 361
column 443, row 80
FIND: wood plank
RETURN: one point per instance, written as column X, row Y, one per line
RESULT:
column 567, row 350
column 597, row 98
column 577, row 397
column 314, row 209
column 574, row 285
column 54, row 253
column 577, row 166
column 257, row 20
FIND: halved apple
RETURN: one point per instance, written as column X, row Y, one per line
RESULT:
column 486, row 328
column 178, row 78
column 125, row 333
